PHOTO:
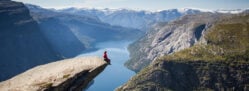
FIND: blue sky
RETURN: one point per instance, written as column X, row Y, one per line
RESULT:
column 143, row 4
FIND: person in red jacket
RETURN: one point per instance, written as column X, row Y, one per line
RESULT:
column 106, row 58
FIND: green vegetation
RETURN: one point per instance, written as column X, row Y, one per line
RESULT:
column 225, row 41
column 66, row 76
column 45, row 84
column 218, row 62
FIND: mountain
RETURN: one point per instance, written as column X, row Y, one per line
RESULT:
column 167, row 38
column 58, row 35
column 173, row 36
column 23, row 45
column 132, row 18
column 32, row 36
column 140, row 19
column 218, row 62
column 64, row 75
column 91, row 13
column 88, row 30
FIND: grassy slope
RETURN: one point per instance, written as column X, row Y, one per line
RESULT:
column 228, row 39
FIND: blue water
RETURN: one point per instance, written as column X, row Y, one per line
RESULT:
column 115, row 74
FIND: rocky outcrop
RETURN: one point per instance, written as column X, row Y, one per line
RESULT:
column 221, row 63
column 167, row 38
column 22, row 44
column 65, row 75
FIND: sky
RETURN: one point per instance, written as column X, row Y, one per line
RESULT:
column 142, row 4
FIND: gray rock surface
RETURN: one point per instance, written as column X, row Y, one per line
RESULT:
column 219, row 64
column 65, row 75
column 22, row 44
column 167, row 38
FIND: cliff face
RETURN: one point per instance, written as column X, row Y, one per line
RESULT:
column 86, row 29
column 22, row 44
column 167, row 38
column 220, row 63
column 65, row 75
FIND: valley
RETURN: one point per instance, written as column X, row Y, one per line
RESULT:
column 178, row 49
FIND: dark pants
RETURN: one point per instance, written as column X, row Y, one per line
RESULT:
column 107, row 60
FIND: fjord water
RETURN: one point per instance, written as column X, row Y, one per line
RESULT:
column 115, row 74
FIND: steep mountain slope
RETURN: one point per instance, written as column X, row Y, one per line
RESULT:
column 62, row 40
column 87, row 29
column 166, row 38
column 218, row 63
column 132, row 18
column 65, row 75
column 22, row 43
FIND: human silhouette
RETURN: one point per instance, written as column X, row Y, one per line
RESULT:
column 106, row 58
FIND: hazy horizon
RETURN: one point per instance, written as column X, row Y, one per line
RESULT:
column 142, row 4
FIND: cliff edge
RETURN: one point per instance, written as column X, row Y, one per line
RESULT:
column 22, row 43
column 65, row 75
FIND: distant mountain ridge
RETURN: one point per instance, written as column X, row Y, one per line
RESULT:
column 131, row 18
column 139, row 19
column 181, row 10
column 77, row 30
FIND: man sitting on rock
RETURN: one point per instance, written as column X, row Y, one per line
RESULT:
column 106, row 58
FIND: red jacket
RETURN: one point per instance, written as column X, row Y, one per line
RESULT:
column 105, row 55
